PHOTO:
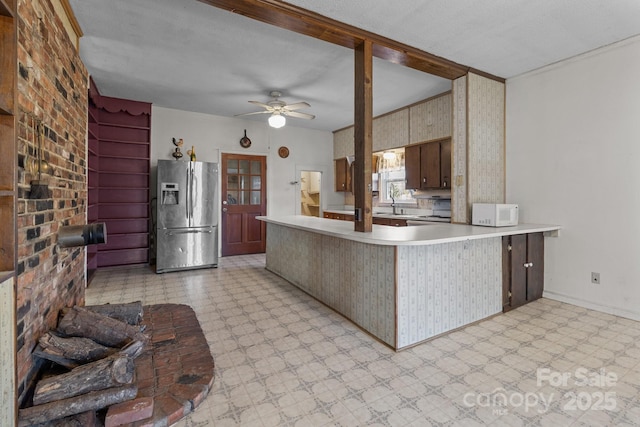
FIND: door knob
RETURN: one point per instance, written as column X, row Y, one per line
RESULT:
column 224, row 209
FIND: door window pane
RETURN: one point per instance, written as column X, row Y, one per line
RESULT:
column 256, row 167
column 232, row 197
column 244, row 198
column 244, row 166
column 244, row 184
column 232, row 166
column 232, row 182
column 255, row 197
column 255, row 183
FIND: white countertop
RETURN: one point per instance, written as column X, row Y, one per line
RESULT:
column 430, row 234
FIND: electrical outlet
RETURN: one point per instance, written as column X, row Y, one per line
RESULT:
column 595, row 278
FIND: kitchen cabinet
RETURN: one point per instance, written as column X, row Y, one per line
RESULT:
column 338, row 216
column 343, row 142
column 431, row 119
column 522, row 269
column 391, row 130
column 394, row 222
column 428, row 166
column 343, row 172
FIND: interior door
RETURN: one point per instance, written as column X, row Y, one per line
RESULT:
column 244, row 197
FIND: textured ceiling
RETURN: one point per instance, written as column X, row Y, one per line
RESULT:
column 191, row 56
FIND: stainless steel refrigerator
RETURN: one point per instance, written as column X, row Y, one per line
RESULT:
column 187, row 220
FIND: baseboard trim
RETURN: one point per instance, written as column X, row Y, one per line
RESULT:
column 633, row 315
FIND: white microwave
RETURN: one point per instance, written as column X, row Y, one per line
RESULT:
column 494, row 214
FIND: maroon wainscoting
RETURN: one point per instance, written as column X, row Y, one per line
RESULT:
column 119, row 167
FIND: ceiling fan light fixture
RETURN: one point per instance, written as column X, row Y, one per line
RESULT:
column 277, row 121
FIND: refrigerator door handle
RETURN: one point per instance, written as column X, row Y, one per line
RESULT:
column 188, row 202
column 174, row 233
column 191, row 192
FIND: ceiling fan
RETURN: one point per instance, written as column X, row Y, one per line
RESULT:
column 278, row 109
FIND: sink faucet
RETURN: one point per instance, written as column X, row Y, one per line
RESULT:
column 393, row 205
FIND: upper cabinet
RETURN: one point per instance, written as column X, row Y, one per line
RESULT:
column 391, row 130
column 343, row 143
column 426, row 121
column 430, row 119
column 343, row 172
column 428, row 166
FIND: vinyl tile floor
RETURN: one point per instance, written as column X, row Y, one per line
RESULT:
column 284, row 359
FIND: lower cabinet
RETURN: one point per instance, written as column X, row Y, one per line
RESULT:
column 522, row 269
column 395, row 222
column 338, row 216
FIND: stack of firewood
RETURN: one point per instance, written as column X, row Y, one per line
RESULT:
column 96, row 346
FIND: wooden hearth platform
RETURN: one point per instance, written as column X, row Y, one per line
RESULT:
column 176, row 369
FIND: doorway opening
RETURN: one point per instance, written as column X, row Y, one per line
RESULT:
column 310, row 189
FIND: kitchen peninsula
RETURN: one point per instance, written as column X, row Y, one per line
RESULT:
column 403, row 285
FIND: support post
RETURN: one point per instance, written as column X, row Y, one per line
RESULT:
column 363, row 140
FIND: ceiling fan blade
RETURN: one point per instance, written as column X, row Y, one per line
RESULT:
column 298, row 115
column 296, row 106
column 255, row 112
column 261, row 104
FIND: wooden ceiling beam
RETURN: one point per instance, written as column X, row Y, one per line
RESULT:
column 314, row 25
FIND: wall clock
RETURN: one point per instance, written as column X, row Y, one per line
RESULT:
column 283, row 152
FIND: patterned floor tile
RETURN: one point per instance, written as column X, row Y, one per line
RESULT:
column 283, row 359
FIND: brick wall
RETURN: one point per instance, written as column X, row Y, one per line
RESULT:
column 52, row 88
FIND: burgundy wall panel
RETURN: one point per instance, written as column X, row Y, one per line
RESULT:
column 117, row 149
column 115, row 133
column 123, row 257
column 123, row 195
column 119, row 166
column 126, row 241
column 122, row 211
column 124, row 226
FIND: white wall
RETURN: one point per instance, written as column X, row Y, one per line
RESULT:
column 213, row 135
column 573, row 159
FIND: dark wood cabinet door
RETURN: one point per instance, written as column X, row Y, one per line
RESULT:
column 340, row 174
column 412, row 171
column 506, row 273
column 535, row 271
column 522, row 269
column 430, row 165
column 518, row 270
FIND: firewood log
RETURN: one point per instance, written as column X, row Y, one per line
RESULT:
column 91, row 401
column 80, row 322
column 106, row 373
column 86, row 419
column 130, row 313
column 81, row 350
